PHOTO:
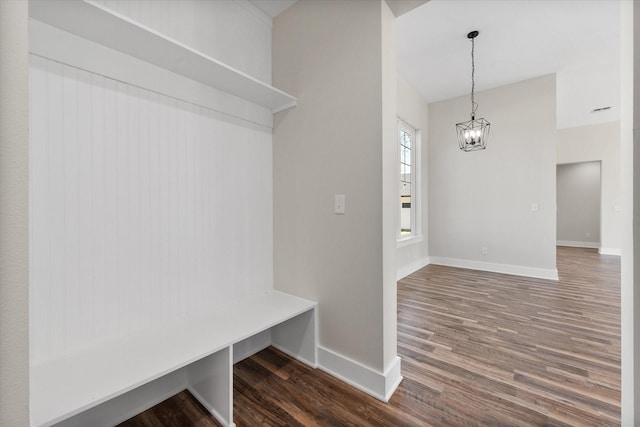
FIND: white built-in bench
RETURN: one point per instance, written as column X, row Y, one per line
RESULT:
column 107, row 383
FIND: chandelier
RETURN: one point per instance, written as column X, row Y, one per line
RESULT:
column 472, row 135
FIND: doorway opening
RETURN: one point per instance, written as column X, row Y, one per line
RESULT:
column 578, row 202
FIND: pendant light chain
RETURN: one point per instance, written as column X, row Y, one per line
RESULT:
column 474, row 106
column 472, row 135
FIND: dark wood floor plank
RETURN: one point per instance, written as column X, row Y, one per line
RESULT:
column 477, row 349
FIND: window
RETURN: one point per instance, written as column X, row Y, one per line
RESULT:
column 408, row 205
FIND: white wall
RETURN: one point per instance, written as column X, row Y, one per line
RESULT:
column 484, row 198
column 630, row 172
column 330, row 55
column 599, row 142
column 145, row 208
column 14, row 218
column 414, row 110
column 390, row 193
column 578, row 198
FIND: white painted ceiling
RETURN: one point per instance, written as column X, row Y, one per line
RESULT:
column 519, row 39
column 400, row 7
column 273, row 8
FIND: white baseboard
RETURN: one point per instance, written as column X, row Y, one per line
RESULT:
column 377, row 384
column 299, row 358
column 517, row 270
column 610, row 251
column 213, row 412
column 416, row 265
column 576, row 244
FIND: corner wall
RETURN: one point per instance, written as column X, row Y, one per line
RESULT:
column 390, row 197
column 503, row 198
column 14, row 214
column 334, row 56
column 599, row 142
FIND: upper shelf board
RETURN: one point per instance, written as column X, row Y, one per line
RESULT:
column 94, row 22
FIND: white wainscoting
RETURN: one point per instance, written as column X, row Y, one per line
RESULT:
column 143, row 208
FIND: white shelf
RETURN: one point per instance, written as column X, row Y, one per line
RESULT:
column 94, row 22
column 75, row 382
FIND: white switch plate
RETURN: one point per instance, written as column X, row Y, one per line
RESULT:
column 338, row 204
column 535, row 207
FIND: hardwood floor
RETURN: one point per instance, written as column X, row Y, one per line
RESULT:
column 477, row 349
column 180, row 410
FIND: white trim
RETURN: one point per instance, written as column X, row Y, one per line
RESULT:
column 405, row 270
column 377, row 384
column 576, row 244
column 610, row 251
column 393, row 377
column 517, row 270
column 416, row 177
column 408, row 241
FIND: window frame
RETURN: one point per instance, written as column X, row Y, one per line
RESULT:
column 415, row 235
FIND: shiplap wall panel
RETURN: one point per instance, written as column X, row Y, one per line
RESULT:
column 144, row 208
column 38, row 185
column 207, row 26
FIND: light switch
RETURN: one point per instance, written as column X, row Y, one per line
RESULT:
column 338, row 204
column 535, row 207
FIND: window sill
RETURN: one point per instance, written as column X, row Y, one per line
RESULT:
column 408, row 241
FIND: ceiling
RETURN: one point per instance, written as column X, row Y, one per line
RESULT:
column 273, row 8
column 519, row 39
column 400, row 7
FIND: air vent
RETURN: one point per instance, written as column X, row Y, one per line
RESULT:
column 597, row 110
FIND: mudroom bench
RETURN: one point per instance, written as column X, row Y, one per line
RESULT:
column 107, row 383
